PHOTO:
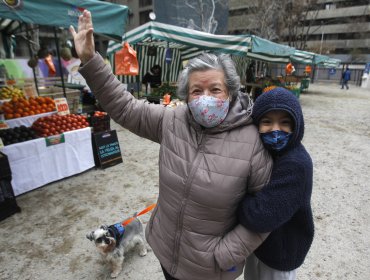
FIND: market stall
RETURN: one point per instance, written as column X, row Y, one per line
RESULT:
column 39, row 151
column 169, row 46
column 186, row 43
column 109, row 19
column 35, row 163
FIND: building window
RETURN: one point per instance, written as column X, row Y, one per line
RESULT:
column 131, row 17
column 330, row 7
column 144, row 17
column 144, row 3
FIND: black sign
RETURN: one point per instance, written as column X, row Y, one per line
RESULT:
column 106, row 149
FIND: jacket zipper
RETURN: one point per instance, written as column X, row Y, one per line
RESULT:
column 194, row 168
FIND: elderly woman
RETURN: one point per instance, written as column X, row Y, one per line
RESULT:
column 210, row 157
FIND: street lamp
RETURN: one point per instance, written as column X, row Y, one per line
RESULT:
column 322, row 36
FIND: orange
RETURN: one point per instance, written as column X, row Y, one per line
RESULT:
column 40, row 100
column 7, row 110
column 33, row 102
column 49, row 100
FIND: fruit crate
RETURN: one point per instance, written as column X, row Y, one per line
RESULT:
column 99, row 123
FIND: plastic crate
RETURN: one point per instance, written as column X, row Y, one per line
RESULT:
column 8, row 204
column 296, row 92
column 100, row 123
column 5, row 171
column 305, row 84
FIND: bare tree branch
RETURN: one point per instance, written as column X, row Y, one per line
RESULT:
column 203, row 13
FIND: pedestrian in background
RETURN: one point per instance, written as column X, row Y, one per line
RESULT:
column 346, row 76
column 152, row 79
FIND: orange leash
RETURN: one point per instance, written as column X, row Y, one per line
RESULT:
column 146, row 210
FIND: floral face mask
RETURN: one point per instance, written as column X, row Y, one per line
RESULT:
column 209, row 111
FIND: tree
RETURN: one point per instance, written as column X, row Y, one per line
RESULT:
column 263, row 17
column 282, row 20
column 202, row 16
column 298, row 21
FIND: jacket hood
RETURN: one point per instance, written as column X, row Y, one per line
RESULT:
column 281, row 99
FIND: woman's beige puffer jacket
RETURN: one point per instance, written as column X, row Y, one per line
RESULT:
column 203, row 173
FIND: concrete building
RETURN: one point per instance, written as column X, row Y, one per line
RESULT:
column 340, row 28
column 139, row 11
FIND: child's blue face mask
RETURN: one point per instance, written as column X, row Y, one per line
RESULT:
column 276, row 140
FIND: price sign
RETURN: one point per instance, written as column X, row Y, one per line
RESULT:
column 29, row 91
column 62, row 106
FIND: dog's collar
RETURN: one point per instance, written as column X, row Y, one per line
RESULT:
column 117, row 231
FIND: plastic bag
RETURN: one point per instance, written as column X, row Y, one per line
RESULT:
column 126, row 61
column 50, row 64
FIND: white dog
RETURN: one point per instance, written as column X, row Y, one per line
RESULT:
column 114, row 241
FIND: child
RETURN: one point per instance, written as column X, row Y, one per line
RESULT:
column 283, row 206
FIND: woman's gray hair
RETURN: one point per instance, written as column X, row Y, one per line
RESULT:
column 209, row 61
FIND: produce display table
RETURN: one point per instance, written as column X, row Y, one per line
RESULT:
column 26, row 121
column 34, row 164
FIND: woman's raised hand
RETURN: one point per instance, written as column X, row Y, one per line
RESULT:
column 84, row 37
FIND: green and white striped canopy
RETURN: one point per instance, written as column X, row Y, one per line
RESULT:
column 268, row 51
column 187, row 43
column 326, row 61
column 305, row 57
